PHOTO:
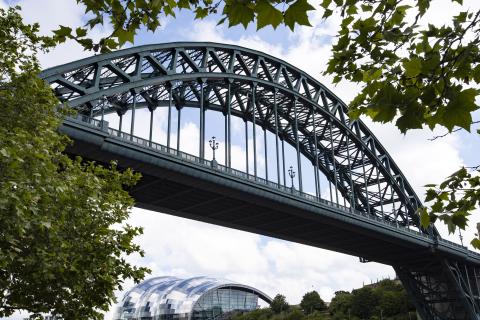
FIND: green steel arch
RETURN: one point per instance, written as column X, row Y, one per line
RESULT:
column 274, row 96
column 288, row 102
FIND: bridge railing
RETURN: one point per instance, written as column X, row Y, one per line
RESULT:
column 103, row 125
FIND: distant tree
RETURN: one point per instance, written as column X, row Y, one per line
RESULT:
column 294, row 314
column 311, row 302
column 279, row 304
column 258, row 314
column 392, row 298
column 341, row 303
column 364, row 302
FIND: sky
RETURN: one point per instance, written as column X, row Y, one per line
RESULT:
column 183, row 248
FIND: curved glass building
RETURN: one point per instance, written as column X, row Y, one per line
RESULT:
column 199, row 298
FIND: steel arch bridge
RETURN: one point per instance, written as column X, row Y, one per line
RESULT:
column 371, row 211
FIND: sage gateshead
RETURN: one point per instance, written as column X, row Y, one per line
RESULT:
column 198, row 298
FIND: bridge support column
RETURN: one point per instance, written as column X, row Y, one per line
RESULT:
column 179, row 116
column 169, row 125
column 333, row 162
column 440, row 290
column 265, row 151
column 299, row 160
column 352, row 191
column 246, row 144
column 150, row 135
column 315, row 148
column 229, row 115
column 276, row 134
column 134, row 106
column 202, row 121
column 283, row 163
column 254, row 111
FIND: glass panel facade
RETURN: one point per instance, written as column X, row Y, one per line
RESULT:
column 218, row 303
column 199, row 298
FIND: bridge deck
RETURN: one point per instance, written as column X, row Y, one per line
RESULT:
column 184, row 185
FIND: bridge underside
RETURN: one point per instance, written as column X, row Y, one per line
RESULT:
column 433, row 279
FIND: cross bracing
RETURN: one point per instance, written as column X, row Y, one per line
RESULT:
column 377, row 220
column 250, row 85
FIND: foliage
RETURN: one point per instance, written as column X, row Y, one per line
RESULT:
column 341, row 303
column 293, row 313
column 279, row 304
column 453, row 200
column 19, row 42
column 311, row 301
column 364, row 301
column 258, row 314
column 420, row 74
column 62, row 245
column 387, row 298
column 128, row 16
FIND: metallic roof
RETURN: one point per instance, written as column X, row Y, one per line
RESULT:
column 160, row 295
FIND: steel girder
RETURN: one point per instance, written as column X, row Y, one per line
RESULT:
column 443, row 289
column 345, row 150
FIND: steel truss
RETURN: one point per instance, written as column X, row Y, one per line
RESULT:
column 444, row 289
column 273, row 96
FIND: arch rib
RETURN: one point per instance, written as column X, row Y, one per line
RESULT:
column 343, row 149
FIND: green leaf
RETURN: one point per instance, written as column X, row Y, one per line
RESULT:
column 4, row 153
column 371, row 74
column 239, row 13
column 81, row 32
column 412, row 67
column 183, row 4
column 124, row 36
column 297, row 13
column 431, row 194
column 63, row 31
column 476, row 74
column 267, row 15
column 475, row 243
column 424, row 218
column 366, row 8
column 201, row 13
column 459, row 108
column 460, row 219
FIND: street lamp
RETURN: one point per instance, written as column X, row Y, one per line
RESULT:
column 291, row 173
column 214, row 146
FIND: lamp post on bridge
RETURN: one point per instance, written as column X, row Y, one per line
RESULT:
column 104, row 102
column 291, row 173
column 214, row 145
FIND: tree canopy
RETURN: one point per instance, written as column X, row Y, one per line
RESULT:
column 386, row 298
column 63, row 241
column 411, row 71
column 279, row 304
column 311, row 302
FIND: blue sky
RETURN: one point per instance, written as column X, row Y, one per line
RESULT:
column 181, row 247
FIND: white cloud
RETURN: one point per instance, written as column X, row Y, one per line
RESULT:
column 187, row 248
column 52, row 13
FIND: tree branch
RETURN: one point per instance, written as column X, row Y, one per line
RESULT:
column 455, row 130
